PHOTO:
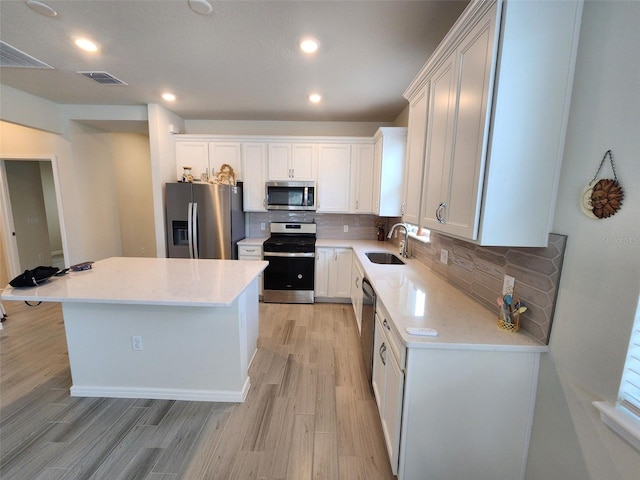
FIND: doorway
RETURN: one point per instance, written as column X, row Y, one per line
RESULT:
column 31, row 214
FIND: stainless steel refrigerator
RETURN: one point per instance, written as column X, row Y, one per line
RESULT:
column 204, row 220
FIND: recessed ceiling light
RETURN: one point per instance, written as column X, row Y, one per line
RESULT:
column 201, row 6
column 315, row 98
column 308, row 45
column 169, row 97
column 41, row 8
column 86, row 45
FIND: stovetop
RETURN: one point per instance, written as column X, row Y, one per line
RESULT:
column 291, row 237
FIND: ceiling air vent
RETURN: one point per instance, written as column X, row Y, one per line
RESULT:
column 12, row 57
column 102, row 78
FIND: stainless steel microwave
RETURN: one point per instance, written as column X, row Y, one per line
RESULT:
column 290, row 195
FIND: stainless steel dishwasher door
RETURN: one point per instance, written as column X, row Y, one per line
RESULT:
column 367, row 324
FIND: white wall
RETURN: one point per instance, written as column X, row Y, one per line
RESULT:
column 600, row 284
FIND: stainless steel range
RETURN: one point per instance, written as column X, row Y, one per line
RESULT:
column 290, row 251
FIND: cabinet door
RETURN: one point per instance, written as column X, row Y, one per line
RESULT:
column 303, row 161
column 467, row 163
column 362, row 179
column 194, row 155
column 254, row 157
column 279, row 161
column 415, row 157
column 392, row 416
column 379, row 376
column 225, row 152
column 356, row 291
column 323, row 256
column 340, row 273
column 334, row 178
column 438, row 146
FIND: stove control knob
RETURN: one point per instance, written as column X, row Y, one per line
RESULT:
column 299, row 276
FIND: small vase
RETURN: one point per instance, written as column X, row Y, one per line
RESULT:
column 381, row 234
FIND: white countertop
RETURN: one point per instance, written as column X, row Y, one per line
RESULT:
column 415, row 296
column 149, row 281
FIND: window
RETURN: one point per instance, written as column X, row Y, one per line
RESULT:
column 624, row 416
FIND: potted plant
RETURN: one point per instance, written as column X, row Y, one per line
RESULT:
column 380, row 226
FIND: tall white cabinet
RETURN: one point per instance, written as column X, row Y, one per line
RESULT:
column 497, row 93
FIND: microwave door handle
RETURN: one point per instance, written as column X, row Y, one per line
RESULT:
column 194, row 224
column 190, row 229
column 305, row 197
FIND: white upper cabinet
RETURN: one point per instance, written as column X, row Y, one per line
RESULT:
column 499, row 89
column 194, row 155
column 415, row 156
column 206, row 157
column 334, row 178
column 388, row 174
column 362, row 166
column 254, row 162
column 221, row 153
column 287, row 161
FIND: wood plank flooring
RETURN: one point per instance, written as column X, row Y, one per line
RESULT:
column 309, row 413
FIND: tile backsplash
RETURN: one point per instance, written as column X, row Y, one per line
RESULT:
column 477, row 271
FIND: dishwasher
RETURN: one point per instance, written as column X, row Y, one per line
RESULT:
column 368, row 321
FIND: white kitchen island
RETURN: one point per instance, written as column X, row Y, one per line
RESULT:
column 157, row 328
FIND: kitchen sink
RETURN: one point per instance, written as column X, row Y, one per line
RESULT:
column 384, row 258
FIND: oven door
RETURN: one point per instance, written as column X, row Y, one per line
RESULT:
column 289, row 277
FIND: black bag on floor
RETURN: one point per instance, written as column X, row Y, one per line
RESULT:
column 33, row 278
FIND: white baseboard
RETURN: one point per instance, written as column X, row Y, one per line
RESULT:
column 164, row 394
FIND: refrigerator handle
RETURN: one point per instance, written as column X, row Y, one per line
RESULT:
column 194, row 224
column 190, row 229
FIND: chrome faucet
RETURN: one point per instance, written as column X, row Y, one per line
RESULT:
column 406, row 237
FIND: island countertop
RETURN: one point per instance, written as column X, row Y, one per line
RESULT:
column 148, row 281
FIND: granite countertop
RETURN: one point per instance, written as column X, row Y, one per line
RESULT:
column 149, row 281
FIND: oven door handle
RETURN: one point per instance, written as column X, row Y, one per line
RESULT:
column 289, row 254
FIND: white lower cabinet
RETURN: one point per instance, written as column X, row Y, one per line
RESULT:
column 455, row 413
column 388, row 386
column 333, row 272
column 356, row 290
column 253, row 253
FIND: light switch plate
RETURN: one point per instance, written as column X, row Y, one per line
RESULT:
column 444, row 256
column 345, row 228
column 508, row 284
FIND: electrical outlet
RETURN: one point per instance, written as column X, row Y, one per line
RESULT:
column 262, row 226
column 41, row 256
column 508, row 284
column 345, row 228
column 444, row 256
column 143, row 251
column 136, row 342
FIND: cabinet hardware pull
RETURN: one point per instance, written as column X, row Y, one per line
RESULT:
column 386, row 324
column 357, row 282
column 439, row 212
column 383, row 349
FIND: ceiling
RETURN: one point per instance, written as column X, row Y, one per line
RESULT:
column 241, row 62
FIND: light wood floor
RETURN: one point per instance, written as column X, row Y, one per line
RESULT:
column 309, row 413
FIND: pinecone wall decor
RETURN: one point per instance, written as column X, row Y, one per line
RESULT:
column 603, row 199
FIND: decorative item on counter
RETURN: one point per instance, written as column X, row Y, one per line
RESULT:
column 510, row 309
column 602, row 199
column 226, row 175
column 380, row 227
column 186, row 175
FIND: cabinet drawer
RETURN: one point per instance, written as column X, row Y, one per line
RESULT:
column 250, row 251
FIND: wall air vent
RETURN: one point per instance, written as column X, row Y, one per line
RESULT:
column 12, row 57
column 102, row 78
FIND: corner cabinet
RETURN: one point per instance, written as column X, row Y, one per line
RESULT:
column 498, row 92
column 388, row 174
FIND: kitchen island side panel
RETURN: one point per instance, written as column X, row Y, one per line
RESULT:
column 467, row 414
column 188, row 353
